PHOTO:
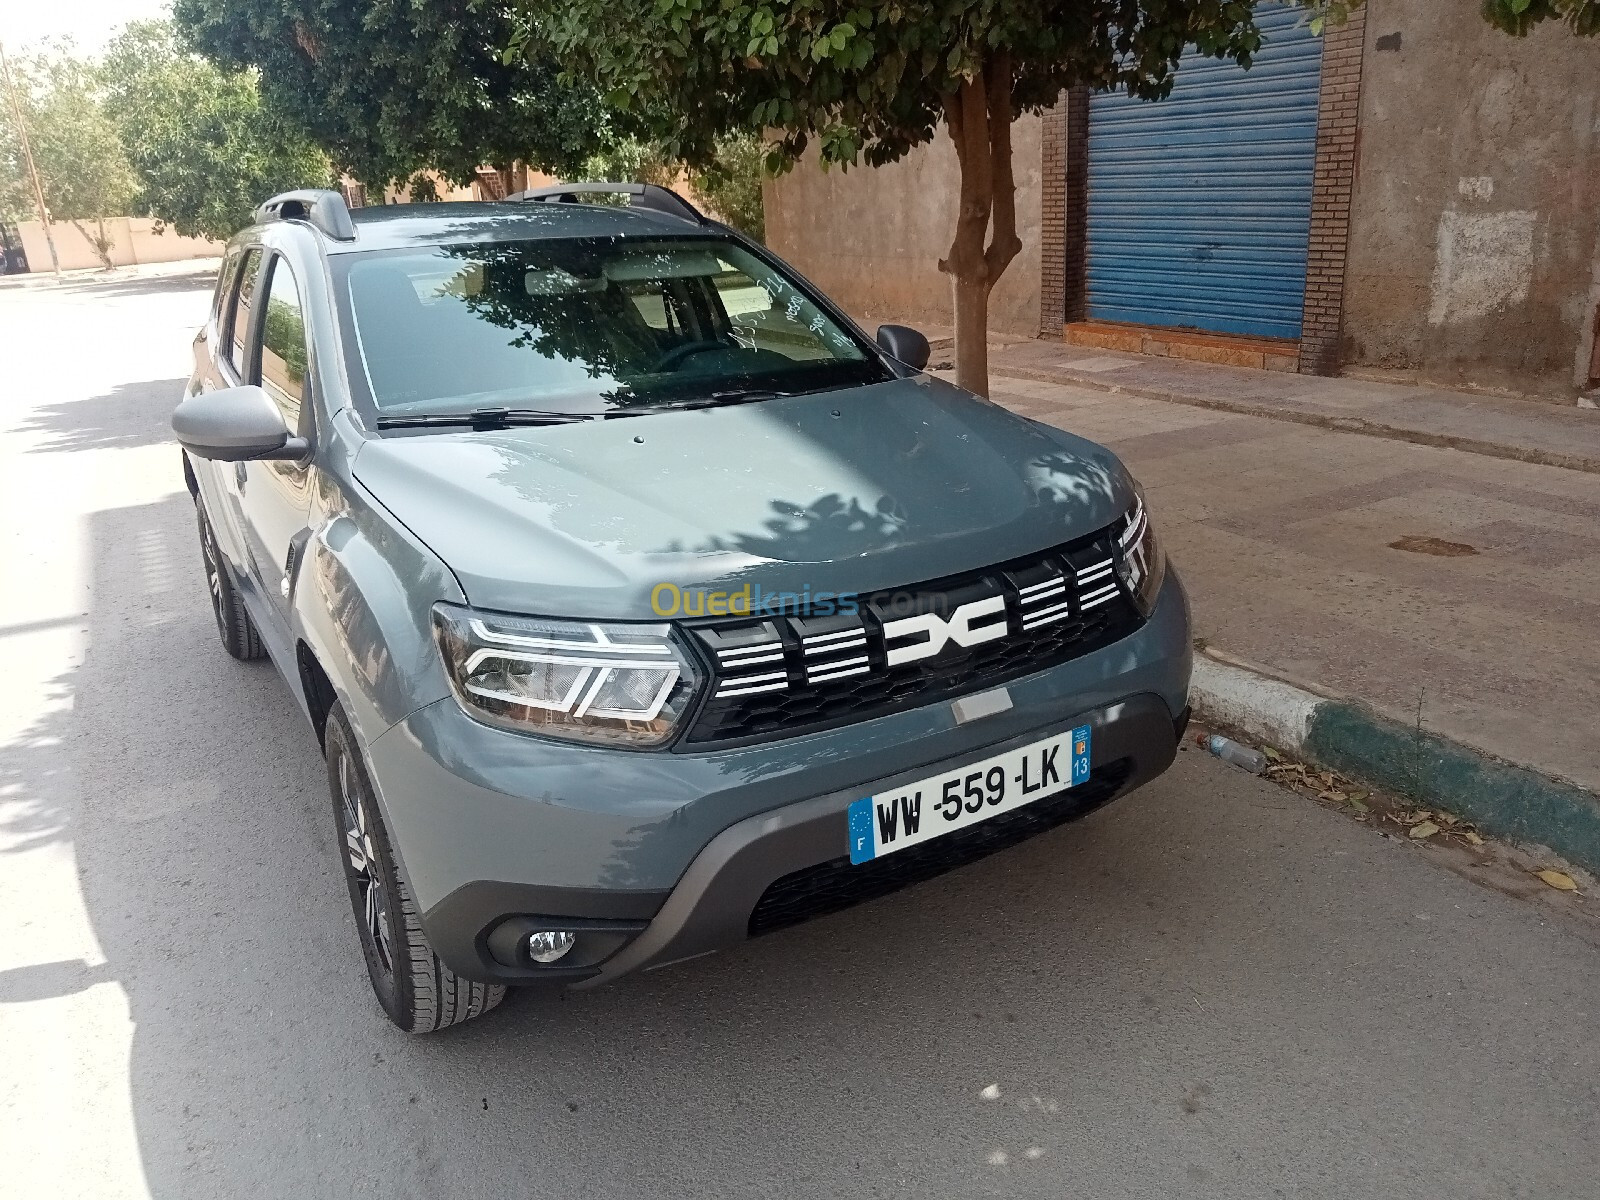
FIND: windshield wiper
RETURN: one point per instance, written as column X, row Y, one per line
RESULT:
column 730, row 396
column 485, row 418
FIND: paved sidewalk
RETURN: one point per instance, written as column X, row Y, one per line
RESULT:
column 1498, row 426
column 79, row 279
column 1459, row 589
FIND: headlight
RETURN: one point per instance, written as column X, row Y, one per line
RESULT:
column 1140, row 560
column 624, row 684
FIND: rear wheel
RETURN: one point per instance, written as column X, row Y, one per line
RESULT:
column 234, row 626
column 417, row 991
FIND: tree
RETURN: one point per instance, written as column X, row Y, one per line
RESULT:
column 204, row 148
column 16, row 193
column 730, row 185
column 1520, row 16
column 82, row 169
column 394, row 87
column 870, row 79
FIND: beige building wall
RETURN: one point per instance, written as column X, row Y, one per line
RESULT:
column 1475, row 227
column 134, row 240
column 872, row 237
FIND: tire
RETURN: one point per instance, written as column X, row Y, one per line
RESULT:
column 417, row 991
column 234, row 626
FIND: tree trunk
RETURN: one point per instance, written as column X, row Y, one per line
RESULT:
column 972, row 335
column 979, row 115
column 100, row 245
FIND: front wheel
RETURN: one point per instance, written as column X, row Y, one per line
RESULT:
column 417, row 991
column 234, row 626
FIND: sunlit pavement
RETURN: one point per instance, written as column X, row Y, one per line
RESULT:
column 1213, row 988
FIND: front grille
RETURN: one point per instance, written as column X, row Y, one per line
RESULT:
column 785, row 675
column 836, row 884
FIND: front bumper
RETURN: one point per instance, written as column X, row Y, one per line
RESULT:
column 668, row 855
column 762, row 862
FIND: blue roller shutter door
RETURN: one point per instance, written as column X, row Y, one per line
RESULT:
column 1200, row 204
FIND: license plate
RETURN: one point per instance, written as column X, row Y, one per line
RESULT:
column 920, row 811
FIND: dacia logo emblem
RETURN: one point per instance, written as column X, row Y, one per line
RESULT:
column 910, row 639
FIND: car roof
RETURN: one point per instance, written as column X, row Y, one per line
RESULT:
column 389, row 226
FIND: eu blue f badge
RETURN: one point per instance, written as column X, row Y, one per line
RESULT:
column 1080, row 754
column 862, row 847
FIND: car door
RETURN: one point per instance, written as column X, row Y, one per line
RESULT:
column 223, row 359
column 274, row 498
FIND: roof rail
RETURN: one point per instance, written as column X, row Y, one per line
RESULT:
column 640, row 195
column 321, row 208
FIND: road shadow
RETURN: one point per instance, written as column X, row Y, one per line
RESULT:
column 194, row 796
column 130, row 414
column 35, row 777
column 50, row 981
column 1151, row 973
column 128, row 287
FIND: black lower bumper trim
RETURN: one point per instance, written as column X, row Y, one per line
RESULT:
column 716, row 899
column 459, row 925
column 837, row 884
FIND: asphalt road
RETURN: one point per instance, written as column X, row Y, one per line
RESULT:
column 1213, row 988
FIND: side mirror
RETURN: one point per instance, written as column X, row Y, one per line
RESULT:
column 234, row 425
column 904, row 343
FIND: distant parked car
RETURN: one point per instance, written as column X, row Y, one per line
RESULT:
column 640, row 602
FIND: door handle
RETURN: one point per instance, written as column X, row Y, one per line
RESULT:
column 239, row 475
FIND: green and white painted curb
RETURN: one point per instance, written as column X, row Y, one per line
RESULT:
column 1501, row 798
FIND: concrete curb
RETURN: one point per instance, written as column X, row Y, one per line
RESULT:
column 1337, row 423
column 1501, row 798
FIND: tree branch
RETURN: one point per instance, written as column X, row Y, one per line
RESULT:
column 1004, row 245
column 970, row 132
column 100, row 245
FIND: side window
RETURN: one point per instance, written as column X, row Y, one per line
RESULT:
column 659, row 306
column 651, row 304
column 283, row 344
column 770, row 315
column 225, row 277
column 239, row 320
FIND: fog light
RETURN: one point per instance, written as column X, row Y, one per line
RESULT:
column 547, row 945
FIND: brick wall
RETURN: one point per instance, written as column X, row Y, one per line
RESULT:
column 1052, row 218
column 1077, row 204
column 1338, row 106
column 1064, row 210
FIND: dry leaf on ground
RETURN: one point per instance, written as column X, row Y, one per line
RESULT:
column 1334, row 788
column 1559, row 880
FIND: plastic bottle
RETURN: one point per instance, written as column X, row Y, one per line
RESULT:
column 1231, row 751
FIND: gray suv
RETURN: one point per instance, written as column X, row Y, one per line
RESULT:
column 639, row 601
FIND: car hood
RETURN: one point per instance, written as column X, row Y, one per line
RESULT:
column 849, row 491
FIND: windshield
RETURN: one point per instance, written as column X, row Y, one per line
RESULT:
column 590, row 325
